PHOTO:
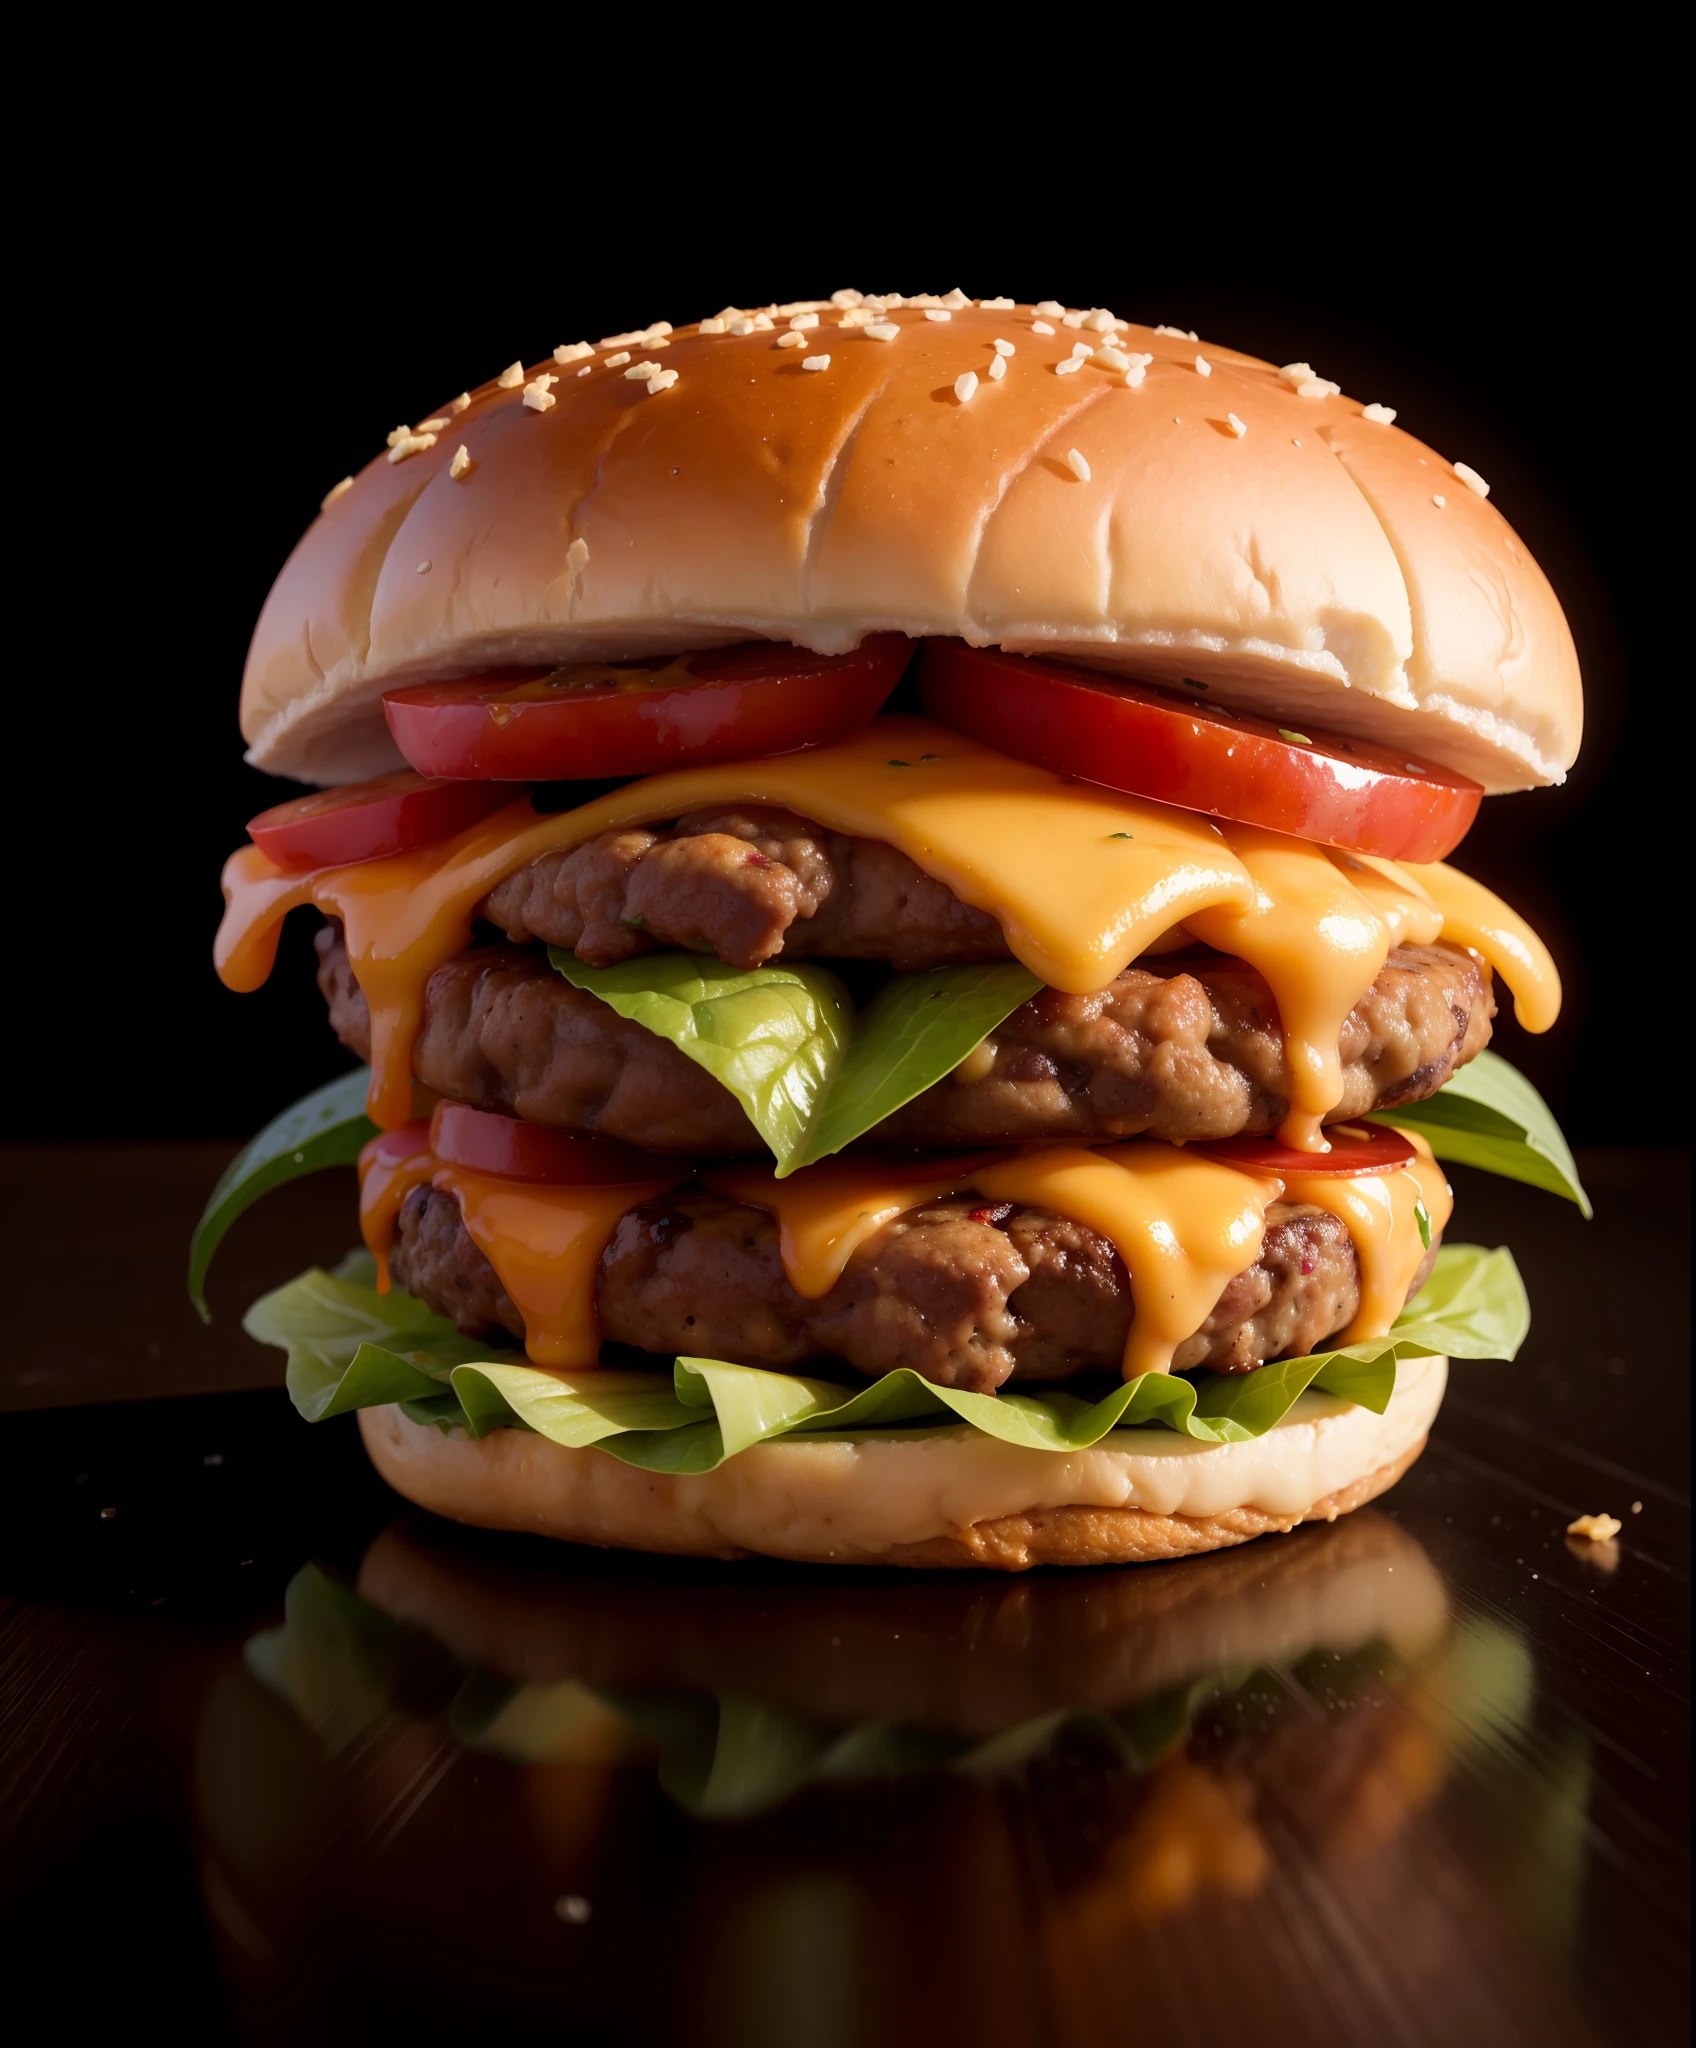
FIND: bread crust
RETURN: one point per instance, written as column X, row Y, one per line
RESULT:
column 1318, row 564
column 876, row 1503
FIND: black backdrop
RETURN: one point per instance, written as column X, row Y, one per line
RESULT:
column 266, row 335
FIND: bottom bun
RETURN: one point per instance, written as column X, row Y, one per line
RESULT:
column 935, row 1497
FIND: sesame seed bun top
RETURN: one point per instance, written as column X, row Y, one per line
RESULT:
column 1168, row 508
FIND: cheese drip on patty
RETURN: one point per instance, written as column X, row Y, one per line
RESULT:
column 1082, row 881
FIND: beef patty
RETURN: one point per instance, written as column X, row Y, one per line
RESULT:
column 745, row 882
column 1184, row 1046
column 968, row 1295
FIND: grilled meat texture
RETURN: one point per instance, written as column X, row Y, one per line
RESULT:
column 1187, row 1046
column 967, row 1295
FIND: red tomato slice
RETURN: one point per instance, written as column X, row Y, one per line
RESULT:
column 366, row 820
column 513, row 1150
column 1311, row 784
column 1382, row 1152
column 577, row 723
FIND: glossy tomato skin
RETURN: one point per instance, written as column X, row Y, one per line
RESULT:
column 1383, row 1152
column 731, row 704
column 508, row 1148
column 1152, row 744
column 369, row 820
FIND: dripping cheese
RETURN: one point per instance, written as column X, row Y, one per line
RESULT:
column 1185, row 1227
column 1081, row 879
column 1381, row 1214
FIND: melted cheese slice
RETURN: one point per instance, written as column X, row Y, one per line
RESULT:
column 1185, row 1226
column 826, row 1212
column 1081, row 879
column 1380, row 1213
column 544, row 1244
column 388, row 1172
column 1474, row 916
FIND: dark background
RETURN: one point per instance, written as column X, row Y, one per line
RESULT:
column 266, row 322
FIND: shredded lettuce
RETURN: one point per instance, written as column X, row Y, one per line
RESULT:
column 326, row 1128
column 787, row 1044
column 350, row 1347
column 1490, row 1116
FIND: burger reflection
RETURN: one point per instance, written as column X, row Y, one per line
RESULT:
column 843, row 1806
column 1184, row 1686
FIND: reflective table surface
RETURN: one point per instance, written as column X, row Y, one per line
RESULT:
column 282, row 1758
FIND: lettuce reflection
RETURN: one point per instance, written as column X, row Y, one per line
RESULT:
column 741, row 1692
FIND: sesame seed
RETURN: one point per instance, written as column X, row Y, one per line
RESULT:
column 413, row 444
column 424, row 568
column 956, row 300
column 996, row 305
column 1050, row 308
column 1296, row 373
column 966, row 386
column 1113, row 359
column 1071, row 319
column 1295, row 441
column 1099, row 321
column 431, row 426
column 849, row 298
column 1067, row 365
column 790, row 341
column 1180, row 333
column 938, row 313
column 460, row 403
column 1082, row 350
column 461, row 462
column 997, row 367
column 815, row 362
column 804, row 320
column 1318, row 387
column 644, row 370
column 642, row 337
column 334, row 492
column 511, row 377
column 1003, row 348
column 661, row 380
column 882, row 330
column 1203, row 368
column 400, row 434
column 617, row 361
column 1236, row 426
column 1470, row 477
column 1077, row 465
column 537, row 396
column 587, row 367
column 573, row 352
column 711, row 327
column 577, row 557
column 857, row 316
column 1438, row 500
column 1379, row 415
column 747, row 324
column 1135, row 374
column 1041, row 327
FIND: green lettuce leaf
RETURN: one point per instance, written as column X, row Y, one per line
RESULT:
column 350, row 1347
column 785, row 1041
column 773, row 1036
column 915, row 1031
column 329, row 1127
column 1490, row 1116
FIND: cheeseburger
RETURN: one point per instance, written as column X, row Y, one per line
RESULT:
column 886, row 862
